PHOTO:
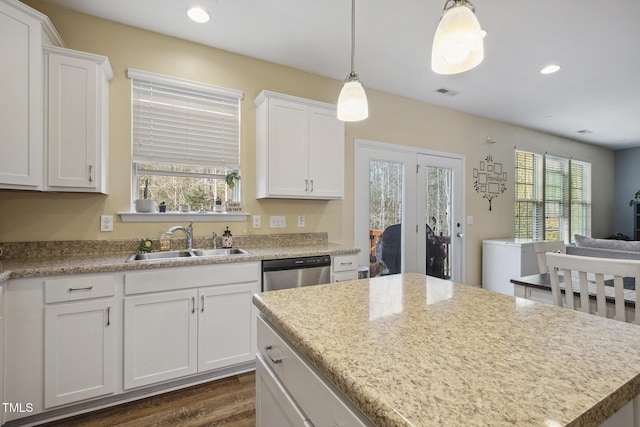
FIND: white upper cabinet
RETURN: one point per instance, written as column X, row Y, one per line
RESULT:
column 23, row 32
column 299, row 148
column 77, row 112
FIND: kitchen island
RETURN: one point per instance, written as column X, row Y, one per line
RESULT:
column 412, row 350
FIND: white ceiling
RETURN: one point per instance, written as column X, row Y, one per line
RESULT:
column 596, row 42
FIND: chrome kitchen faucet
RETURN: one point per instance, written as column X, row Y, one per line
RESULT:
column 188, row 231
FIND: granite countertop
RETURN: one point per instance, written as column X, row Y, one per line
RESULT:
column 72, row 262
column 412, row 350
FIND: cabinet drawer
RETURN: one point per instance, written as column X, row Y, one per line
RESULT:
column 322, row 403
column 78, row 288
column 345, row 263
column 343, row 276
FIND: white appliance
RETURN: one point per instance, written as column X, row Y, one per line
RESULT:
column 505, row 259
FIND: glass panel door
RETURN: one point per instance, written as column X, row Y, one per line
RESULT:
column 440, row 208
column 385, row 207
column 385, row 215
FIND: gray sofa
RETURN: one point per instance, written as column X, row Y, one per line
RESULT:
column 604, row 248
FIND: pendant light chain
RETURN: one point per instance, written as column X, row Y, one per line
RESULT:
column 353, row 35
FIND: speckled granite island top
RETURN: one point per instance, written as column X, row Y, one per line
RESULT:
column 412, row 350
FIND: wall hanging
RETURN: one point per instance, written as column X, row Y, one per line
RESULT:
column 489, row 179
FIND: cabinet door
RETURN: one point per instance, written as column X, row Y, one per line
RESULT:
column 79, row 351
column 226, row 325
column 274, row 405
column 21, row 104
column 72, row 111
column 287, row 152
column 160, row 333
column 326, row 154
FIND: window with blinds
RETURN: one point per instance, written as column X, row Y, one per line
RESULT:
column 552, row 197
column 185, row 139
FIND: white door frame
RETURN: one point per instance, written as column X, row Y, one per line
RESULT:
column 367, row 150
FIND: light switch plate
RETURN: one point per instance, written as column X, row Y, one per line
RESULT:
column 257, row 221
column 106, row 222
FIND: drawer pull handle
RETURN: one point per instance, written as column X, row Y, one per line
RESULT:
column 108, row 316
column 347, row 263
column 88, row 288
column 267, row 350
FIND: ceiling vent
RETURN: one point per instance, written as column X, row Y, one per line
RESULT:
column 447, row 92
column 585, row 132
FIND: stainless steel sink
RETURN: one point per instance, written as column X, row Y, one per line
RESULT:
column 164, row 256
column 218, row 252
column 183, row 254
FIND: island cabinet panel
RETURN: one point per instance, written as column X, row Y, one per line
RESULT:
column 299, row 148
column 321, row 403
column 274, row 405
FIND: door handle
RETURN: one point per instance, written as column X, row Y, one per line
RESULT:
column 460, row 235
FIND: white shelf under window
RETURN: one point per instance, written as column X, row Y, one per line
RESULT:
column 183, row 216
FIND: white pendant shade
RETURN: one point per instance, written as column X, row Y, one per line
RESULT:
column 457, row 44
column 352, row 102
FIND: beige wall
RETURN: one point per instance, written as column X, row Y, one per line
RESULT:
column 32, row 216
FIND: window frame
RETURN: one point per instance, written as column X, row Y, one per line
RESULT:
column 544, row 166
column 192, row 106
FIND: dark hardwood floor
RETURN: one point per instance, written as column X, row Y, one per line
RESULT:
column 229, row 402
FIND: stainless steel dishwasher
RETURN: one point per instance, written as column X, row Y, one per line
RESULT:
column 295, row 272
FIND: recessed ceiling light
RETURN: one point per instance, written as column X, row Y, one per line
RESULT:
column 549, row 69
column 198, row 15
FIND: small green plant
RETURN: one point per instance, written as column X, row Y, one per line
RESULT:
column 231, row 179
column 635, row 198
column 145, row 246
column 145, row 192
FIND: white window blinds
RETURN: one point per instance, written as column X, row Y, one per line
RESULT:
column 181, row 122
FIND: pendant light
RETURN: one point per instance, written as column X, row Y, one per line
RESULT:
column 352, row 102
column 457, row 44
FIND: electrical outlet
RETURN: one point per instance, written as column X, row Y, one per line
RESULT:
column 300, row 221
column 277, row 222
column 257, row 221
column 106, row 222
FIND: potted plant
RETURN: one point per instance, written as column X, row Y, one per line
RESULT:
column 636, row 197
column 231, row 179
column 145, row 204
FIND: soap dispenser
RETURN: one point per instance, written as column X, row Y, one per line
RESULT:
column 227, row 239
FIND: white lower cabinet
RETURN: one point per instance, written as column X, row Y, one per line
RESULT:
column 80, row 344
column 75, row 342
column 274, row 405
column 344, row 267
column 297, row 384
column 79, row 338
column 172, row 334
column 160, row 337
